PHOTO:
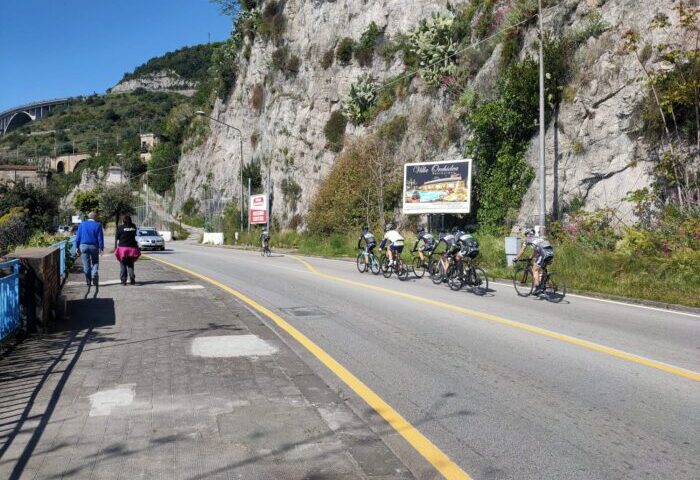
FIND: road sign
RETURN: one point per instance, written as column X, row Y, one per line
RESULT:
column 257, row 213
column 437, row 187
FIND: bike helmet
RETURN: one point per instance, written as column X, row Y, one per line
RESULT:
column 389, row 226
column 365, row 229
column 530, row 232
column 420, row 229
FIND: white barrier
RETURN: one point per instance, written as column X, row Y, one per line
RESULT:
column 512, row 248
column 213, row 238
column 167, row 235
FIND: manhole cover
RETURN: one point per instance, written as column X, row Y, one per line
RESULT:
column 306, row 311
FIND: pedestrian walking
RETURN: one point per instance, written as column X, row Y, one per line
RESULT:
column 90, row 244
column 128, row 250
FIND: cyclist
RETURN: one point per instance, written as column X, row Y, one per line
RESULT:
column 543, row 253
column 393, row 242
column 451, row 246
column 469, row 247
column 370, row 242
column 428, row 244
column 265, row 239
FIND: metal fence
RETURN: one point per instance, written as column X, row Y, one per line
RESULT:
column 9, row 298
column 66, row 248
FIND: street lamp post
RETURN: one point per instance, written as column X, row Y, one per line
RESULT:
column 240, row 168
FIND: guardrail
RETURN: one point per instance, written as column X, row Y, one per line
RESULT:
column 62, row 246
column 9, row 298
column 67, row 248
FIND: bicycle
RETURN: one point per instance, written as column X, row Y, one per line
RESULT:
column 524, row 282
column 398, row 266
column 438, row 271
column 420, row 267
column 265, row 251
column 371, row 265
column 465, row 272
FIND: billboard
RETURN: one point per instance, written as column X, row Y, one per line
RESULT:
column 257, row 212
column 437, row 187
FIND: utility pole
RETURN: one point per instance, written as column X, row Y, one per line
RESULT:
column 543, row 185
column 148, row 209
column 248, row 205
column 98, row 146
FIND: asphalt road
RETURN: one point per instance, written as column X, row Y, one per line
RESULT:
column 501, row 400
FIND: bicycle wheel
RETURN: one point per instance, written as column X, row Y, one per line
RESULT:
column 522, row 280
column 455, row 277
column 437, row 272
column 419, row 268
column 555, row 288
column 268, row 251
column 361, row 265
column 479, row 281
column 387, row 267
column 374, row 266
column 402, row 271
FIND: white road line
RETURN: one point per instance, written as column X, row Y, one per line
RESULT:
column 185, row 287
column 616, row 302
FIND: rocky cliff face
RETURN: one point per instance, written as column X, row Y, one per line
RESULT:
column 163, row 81
column 594, row 152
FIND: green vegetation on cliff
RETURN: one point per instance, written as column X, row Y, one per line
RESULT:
column 190, row 63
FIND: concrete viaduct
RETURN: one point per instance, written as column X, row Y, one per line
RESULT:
column 18, row 116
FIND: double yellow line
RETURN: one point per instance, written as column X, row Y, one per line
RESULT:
column 512, row 323
column 417, row 440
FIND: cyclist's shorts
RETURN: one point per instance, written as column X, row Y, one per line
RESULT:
column 546, row 257
column 370, row 247
column 396, row 248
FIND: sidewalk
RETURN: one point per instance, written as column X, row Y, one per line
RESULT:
column 140, row 382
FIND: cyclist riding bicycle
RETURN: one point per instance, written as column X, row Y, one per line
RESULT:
column 393, row 242
column 265, row 239
column 428, row 245
column 370, row 242
column 543, row 253
column 452, row 246
column 469, row 247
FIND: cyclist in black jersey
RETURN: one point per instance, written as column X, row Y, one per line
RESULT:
column 543, row 253
column 370, row 242
column 428, row 245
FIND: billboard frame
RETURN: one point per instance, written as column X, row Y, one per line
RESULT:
column 410, row 208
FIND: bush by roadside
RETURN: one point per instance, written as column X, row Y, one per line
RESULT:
column 674, row 278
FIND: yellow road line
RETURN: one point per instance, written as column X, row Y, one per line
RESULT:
column 425, row 447
column 522, row 326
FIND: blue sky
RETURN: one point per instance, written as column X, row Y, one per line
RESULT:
column 58, row 48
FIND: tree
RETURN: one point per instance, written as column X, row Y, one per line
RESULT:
column 115, row 201
column 40, row 204
column 252, row 170
column 87, row 201
column 161, row 167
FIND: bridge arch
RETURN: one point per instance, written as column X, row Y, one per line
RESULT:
column 17, row 120
column 60, row 167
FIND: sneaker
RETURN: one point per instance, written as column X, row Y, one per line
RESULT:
column 133, row 281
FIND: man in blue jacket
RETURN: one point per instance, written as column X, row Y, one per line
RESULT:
column 90, row 243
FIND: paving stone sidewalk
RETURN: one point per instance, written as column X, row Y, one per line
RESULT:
column 121, row 391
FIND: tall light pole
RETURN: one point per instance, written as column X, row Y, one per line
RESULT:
column 240, row 167
column 543, row 185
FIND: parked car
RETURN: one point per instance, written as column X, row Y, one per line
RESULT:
column 63, row 229
column 148, row 238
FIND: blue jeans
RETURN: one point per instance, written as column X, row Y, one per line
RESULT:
column 91, row 260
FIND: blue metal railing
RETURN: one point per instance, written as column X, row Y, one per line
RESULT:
column 62, row 246
column 67, row 247
column 9, row 298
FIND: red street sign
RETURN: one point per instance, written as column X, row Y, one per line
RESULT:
column 258, row 216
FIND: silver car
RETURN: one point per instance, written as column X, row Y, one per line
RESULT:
column 148, row 238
